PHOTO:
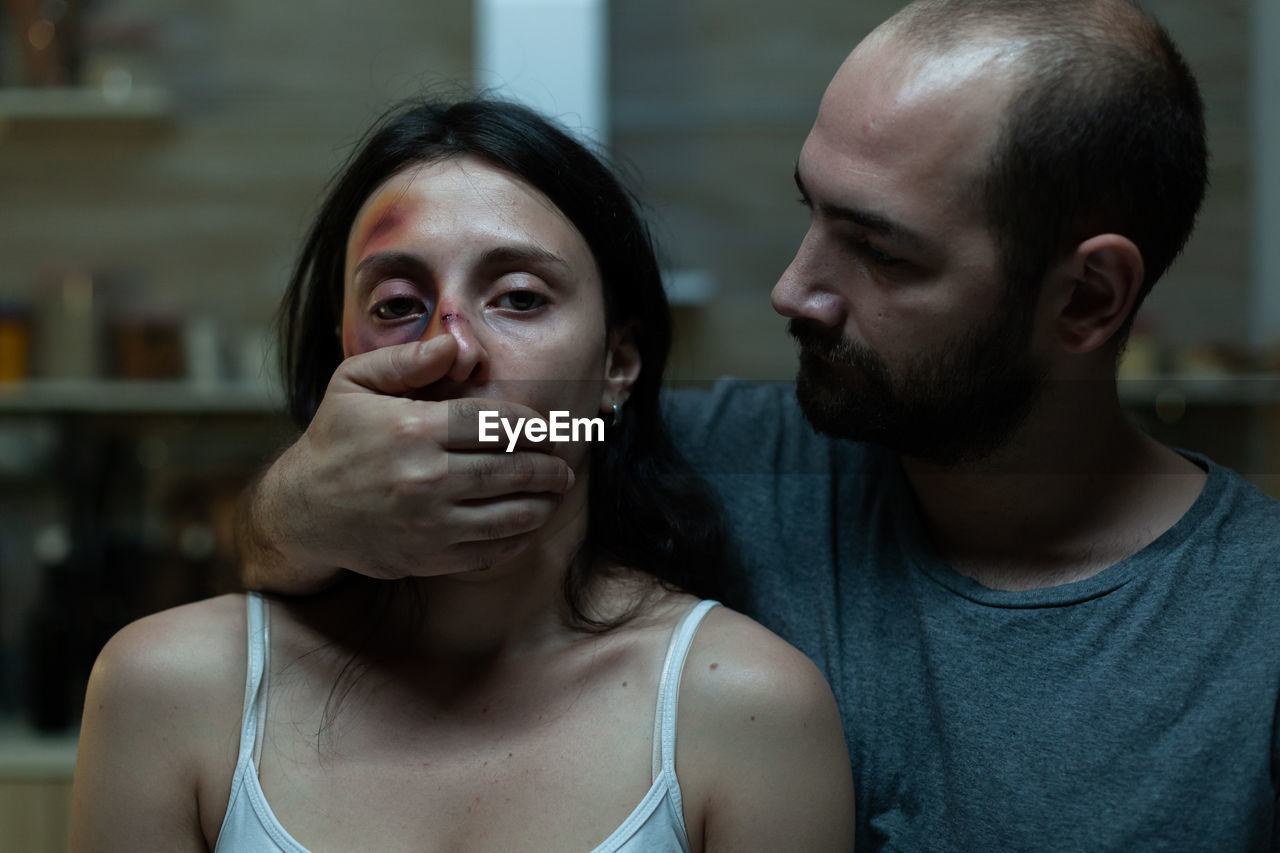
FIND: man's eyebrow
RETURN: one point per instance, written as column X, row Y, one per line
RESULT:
column 867, row 219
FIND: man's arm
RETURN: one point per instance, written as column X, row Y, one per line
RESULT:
column 388, row 486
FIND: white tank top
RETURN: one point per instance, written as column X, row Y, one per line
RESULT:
column 656, row 825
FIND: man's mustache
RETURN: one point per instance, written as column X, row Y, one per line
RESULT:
column 826, row 343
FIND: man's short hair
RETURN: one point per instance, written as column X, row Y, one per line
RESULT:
column 1105, row 134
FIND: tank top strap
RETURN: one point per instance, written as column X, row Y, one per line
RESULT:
column 255, row 686
column 664, row 723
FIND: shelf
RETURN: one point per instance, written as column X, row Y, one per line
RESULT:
column 76, row 103
column 120, row 396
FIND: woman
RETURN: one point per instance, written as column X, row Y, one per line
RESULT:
column 506, row 709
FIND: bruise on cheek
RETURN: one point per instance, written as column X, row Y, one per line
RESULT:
column 358, row 340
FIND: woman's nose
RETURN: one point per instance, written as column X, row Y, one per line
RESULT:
column 472, row 360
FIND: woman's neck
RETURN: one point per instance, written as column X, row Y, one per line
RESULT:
column 515, row 606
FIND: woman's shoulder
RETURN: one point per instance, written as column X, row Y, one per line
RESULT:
column 734, row 659
column 736, row 664
column 761, row 752
column 158, row 738
column 184, row 658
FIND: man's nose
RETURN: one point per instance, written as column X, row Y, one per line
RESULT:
column 808, row 288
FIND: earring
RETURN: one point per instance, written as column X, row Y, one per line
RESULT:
column 617, row 416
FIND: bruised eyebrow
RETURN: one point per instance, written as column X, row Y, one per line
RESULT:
column 867, row 219
column 390, row 261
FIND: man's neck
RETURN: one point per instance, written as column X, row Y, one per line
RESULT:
column 1073, row 493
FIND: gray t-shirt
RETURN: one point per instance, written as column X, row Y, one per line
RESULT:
column 1136, row 710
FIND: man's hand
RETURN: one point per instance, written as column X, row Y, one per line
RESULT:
column 380, row 484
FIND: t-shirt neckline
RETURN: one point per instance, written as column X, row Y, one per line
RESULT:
column 922, row 556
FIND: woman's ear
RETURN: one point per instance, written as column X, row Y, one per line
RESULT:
column 621, row 367
column 1098, row 286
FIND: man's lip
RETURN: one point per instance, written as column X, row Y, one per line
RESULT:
column 821, row 356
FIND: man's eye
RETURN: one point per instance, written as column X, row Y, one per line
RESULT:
column 877, row 257
column 397, row 308
column 521, row 300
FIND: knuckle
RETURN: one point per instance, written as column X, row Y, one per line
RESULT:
column 411, row 481
column 408, row 425
column 400, row 359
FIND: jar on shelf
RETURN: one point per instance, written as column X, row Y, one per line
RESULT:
column 15, row 341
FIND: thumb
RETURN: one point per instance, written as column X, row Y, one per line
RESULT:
column 397, row 369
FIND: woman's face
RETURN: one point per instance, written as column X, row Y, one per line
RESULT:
column 458, row 247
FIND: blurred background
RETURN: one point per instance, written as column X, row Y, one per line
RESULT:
column 159, row 160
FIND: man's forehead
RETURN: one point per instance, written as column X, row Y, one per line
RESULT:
column 907, row 134
column 889, row 70
column 896, row 105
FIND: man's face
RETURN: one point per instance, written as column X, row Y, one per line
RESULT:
column 908, row 334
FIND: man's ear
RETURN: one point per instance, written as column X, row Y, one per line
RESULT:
column 1096, row 288
column 621, row 367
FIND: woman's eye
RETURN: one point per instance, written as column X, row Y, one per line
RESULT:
column 521, row 300
column 397, row 308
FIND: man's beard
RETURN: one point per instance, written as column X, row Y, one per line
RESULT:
column 958, row 404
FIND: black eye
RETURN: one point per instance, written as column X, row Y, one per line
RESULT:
column 395, row 309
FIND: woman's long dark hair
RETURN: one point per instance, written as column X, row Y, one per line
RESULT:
column 646, row 508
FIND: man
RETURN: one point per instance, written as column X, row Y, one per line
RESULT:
column 1044, row 630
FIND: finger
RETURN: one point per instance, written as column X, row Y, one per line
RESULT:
column 465, row 426
column 483, row 476
column 468, row 556
column 483, row 555
column 501, row 518
column 397, row 369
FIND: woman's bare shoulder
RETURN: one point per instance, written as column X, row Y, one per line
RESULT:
column 737, row 663
column 761, row 751
column 182, row 658
column 158, row 739
column 733, row 658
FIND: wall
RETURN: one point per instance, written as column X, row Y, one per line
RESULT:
column 268, row 98
column 711, row 102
